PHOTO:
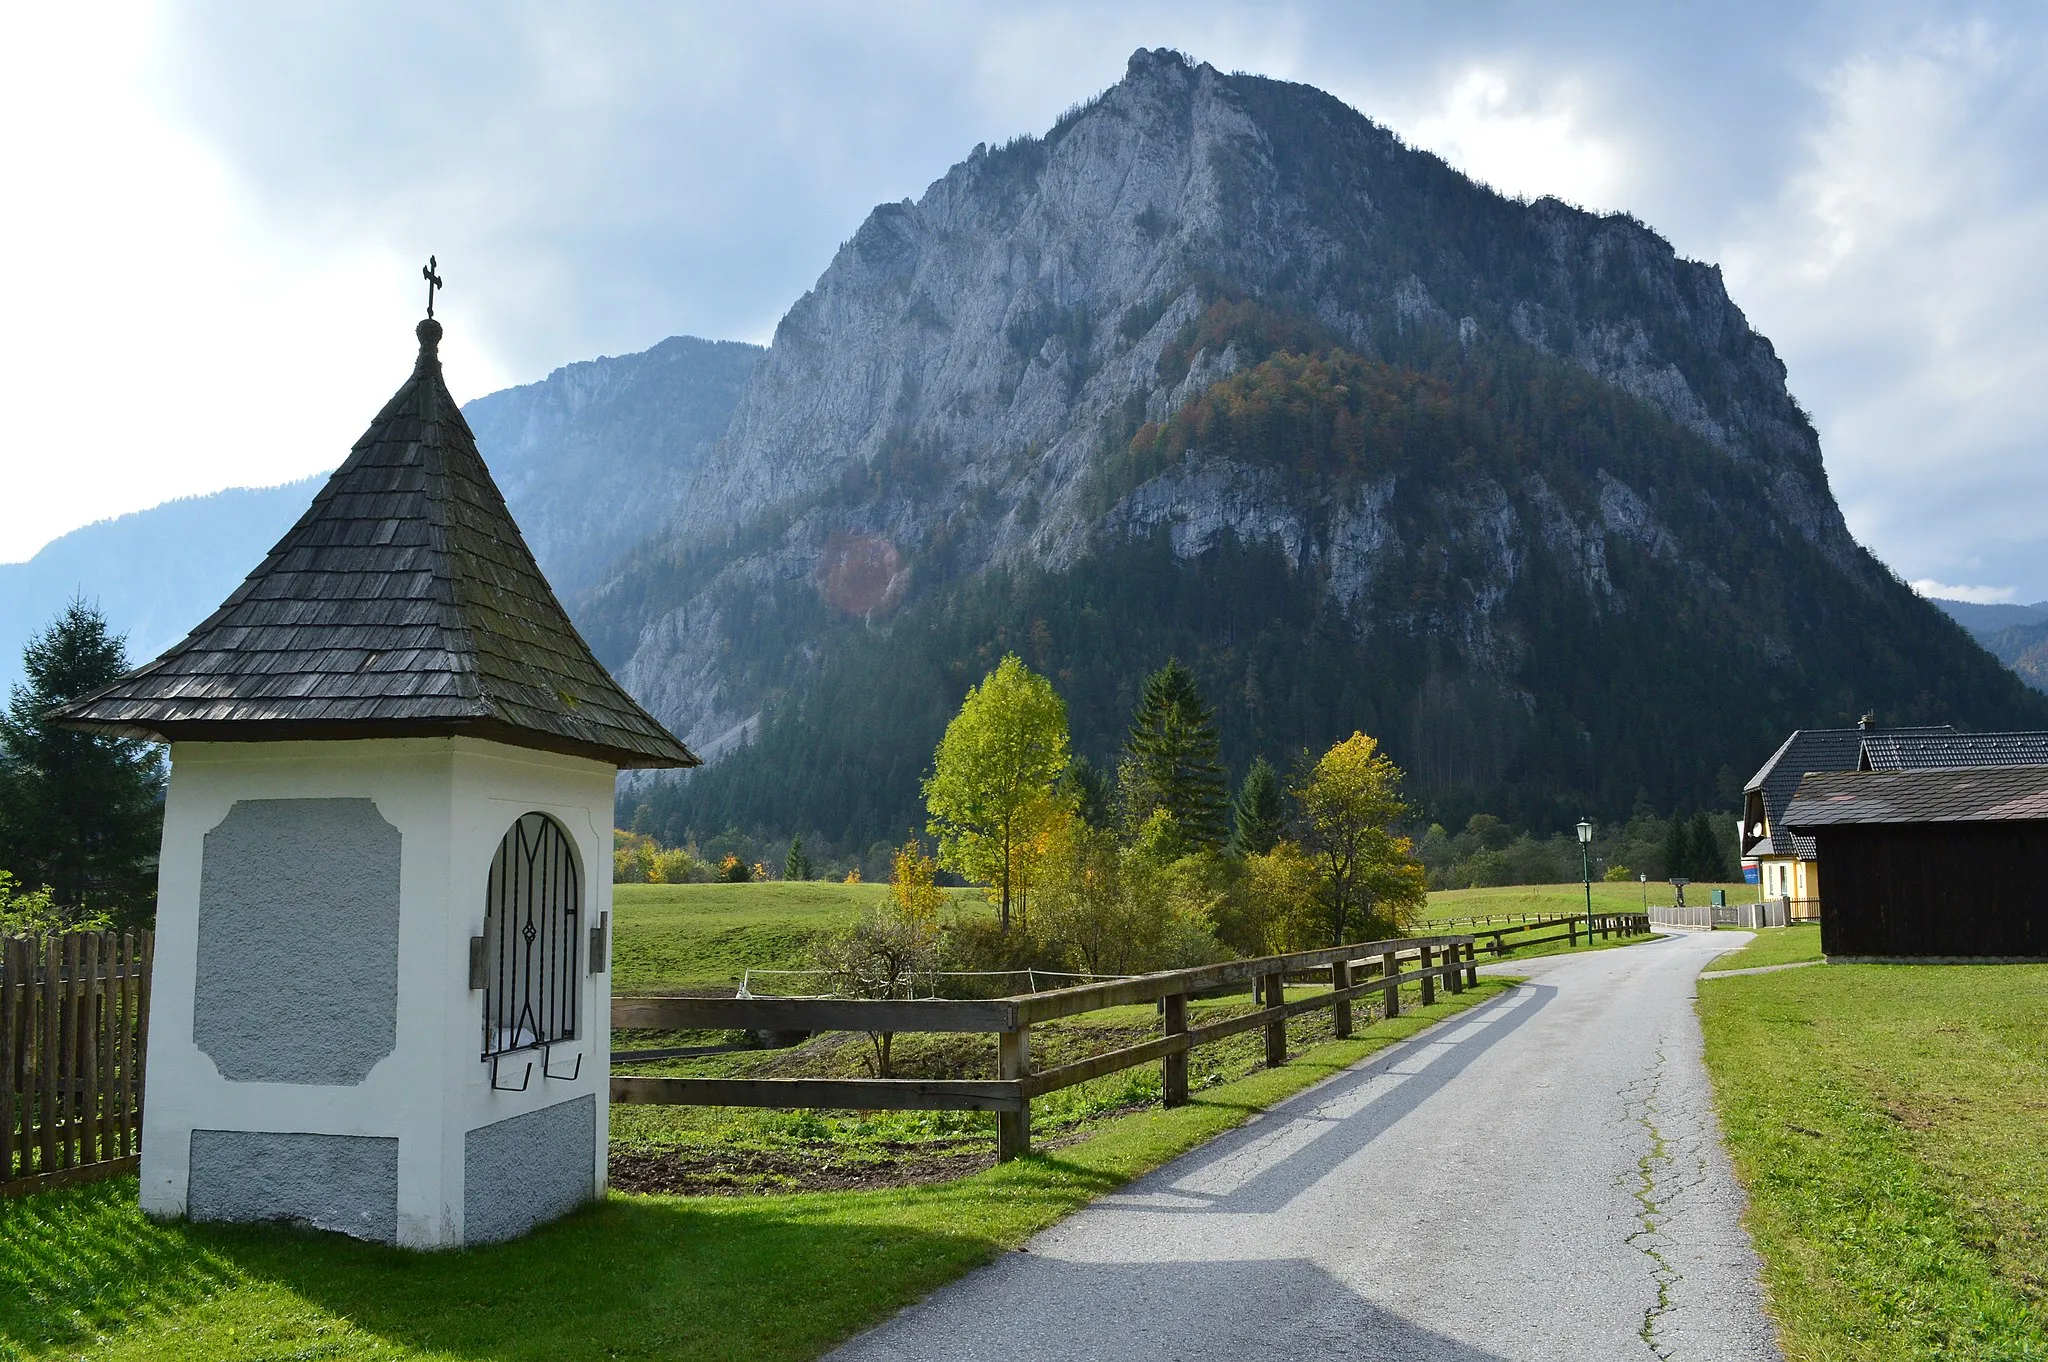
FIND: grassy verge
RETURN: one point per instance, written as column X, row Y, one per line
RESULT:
column 716, row 1278
column 1772, row 946
column 1887, row 1122
column 739, row 1149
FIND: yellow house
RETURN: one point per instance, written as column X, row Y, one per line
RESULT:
column 1789, row 866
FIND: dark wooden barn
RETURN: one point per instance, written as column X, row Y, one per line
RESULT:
column 1943, row 864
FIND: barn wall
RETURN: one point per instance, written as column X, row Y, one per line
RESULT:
column 1936, row 889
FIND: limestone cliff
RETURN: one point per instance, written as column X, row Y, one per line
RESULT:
column 1225, row 319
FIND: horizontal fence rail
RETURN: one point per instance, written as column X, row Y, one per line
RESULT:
column 74, row 1019
column 1370, row 970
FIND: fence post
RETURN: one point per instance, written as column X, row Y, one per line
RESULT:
column 1340, row 1012
column 1454, row 970
column 1013, row 1060
column 1428, row 979
column 10, row 985
column 1573, row 928
column 1390, row 966
column 47, row 1052
column 1276, row 1032
column 1173, row 1079
column 1471, row 964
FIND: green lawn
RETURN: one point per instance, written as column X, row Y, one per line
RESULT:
column 1887, row 1120
column 766, row 1277
column 671, row 936
column 695, row 935
column 1569, row 898
column 1773, row 946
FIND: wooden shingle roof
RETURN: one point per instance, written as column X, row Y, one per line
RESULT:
column 404, row 603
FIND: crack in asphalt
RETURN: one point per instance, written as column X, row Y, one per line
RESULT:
column 1649, row 1205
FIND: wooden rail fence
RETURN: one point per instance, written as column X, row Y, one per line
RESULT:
column 1565, row 927
column 74, row 1021
column 1372, row 968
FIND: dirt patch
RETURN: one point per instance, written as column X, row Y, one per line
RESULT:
column 750, row 1172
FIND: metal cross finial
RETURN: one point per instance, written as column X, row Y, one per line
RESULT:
column 433, row 282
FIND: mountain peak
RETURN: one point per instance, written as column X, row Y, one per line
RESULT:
column 1220, row 319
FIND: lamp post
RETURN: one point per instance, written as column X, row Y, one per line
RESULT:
column 1586, row 865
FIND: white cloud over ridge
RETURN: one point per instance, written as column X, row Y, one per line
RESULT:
column 1975, row 595
column 232, row 202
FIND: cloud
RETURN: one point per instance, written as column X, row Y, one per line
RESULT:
column 1899, row 270
column 1523, row 139
column 234, row 201
column 1976, row 595
column 160, row 341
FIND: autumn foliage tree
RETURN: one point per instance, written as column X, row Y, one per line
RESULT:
column 1367, row 878
column 994, row 788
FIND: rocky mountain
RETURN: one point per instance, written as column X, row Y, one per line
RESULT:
column 2016, row 635
column 1981, row 618
column 595, row 457
column 591, row 459
column 155, row 573
column 1220, row 368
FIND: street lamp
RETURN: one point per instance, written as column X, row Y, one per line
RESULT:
column 1586, row 864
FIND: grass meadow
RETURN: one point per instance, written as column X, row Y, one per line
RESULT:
column 854, row 1214
column 1887, row 1122
column 717, row 1278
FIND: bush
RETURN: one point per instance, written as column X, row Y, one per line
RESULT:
column 32, row 912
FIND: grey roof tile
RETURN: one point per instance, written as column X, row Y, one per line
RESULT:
column 1903, row 751
column 1817, row 749
column 1968, row 794
column 403, row 603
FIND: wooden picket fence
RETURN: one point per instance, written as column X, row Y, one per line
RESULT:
column 74, row 1027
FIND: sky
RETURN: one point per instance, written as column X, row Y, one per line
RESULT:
column 217, row 213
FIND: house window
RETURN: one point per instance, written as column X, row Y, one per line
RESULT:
column 530, row 943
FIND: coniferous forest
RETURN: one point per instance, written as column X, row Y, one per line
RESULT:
column 1659, row 697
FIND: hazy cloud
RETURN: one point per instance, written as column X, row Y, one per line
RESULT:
column 231, row 202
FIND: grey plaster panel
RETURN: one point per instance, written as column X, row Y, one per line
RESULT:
column 330, row 1182
column 527, row 1170
column 298, row 941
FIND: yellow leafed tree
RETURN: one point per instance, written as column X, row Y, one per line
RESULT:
column 1369, row 882
column 993, row 789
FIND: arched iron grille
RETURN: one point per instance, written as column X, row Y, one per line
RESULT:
column 530, row 939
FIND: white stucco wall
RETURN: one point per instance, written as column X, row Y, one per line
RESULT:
column 451, row 799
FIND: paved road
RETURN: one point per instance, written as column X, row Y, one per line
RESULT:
column 1540, row 1178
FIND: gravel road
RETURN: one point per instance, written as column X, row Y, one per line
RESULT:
column 1541, row 1177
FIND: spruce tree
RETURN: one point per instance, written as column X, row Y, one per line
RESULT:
column 1677, row 850
column 796, row 865
column 1088, row 788
column 1172, row 758
column 1258, row 814
column 79, row 812
column 1708, row 862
